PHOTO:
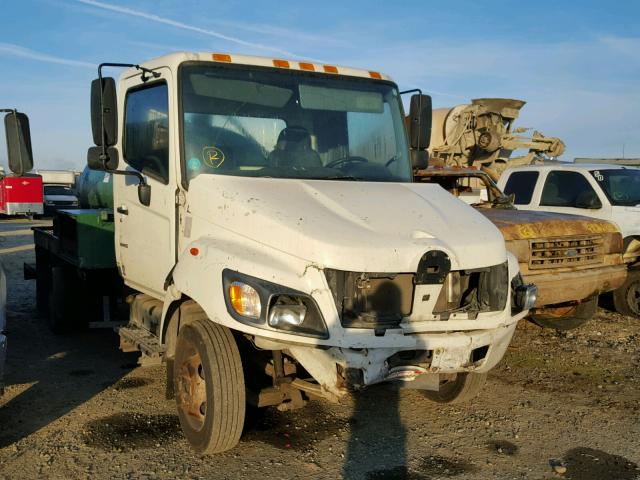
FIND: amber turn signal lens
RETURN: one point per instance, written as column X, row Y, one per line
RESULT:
column 245, row 300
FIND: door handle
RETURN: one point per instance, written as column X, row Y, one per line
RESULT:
column 122, row 210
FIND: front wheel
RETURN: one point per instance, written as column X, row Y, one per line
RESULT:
column 579, row 315
column 461, row 389
column 209, row 386
column 626, row 299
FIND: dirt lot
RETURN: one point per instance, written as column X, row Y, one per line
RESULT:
column 77, row 407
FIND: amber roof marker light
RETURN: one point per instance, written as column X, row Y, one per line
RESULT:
column 221, row 57
column 307, row 66
column 281, row 63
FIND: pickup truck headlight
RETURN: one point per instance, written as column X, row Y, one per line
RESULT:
column 268, row 305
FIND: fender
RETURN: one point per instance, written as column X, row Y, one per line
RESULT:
column 197, row 275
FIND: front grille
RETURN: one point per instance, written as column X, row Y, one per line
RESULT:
column 566, row 252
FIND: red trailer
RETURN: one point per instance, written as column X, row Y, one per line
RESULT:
column 21, row 195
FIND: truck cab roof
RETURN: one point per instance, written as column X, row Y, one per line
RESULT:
column 547, row 167
column 173, row 60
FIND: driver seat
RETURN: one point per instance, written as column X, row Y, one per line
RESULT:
column 293, row 149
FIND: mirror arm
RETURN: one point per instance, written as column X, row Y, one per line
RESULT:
column 132, row 173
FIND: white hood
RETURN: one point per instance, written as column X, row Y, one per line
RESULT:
column 348, row 225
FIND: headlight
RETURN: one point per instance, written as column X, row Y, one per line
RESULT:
column 613, row 243
column 287, row 315
column 268, row 305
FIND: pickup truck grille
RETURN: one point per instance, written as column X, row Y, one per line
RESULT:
column 566, row 252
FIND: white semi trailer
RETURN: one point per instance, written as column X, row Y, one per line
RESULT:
column 266, row 218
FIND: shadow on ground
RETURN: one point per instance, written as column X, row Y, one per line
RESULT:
column 53, row 373
column 591, row 464
column 375, row 453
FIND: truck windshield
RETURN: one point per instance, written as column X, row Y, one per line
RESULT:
column 622, row 186
column 57, row 190
column 291, row 124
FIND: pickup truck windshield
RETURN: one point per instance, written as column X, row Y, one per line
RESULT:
column 290, row 124
column 622, row 186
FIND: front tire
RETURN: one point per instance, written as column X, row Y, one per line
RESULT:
column 209, row 386
column 582, row 313
column 626, row 299
column 463, row 388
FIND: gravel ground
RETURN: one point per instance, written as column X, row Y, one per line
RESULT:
column 560, row 405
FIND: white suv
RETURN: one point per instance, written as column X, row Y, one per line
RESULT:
column 610, row 192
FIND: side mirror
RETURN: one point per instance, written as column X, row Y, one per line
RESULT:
column 19, row 151
column 589, row 200
column 419, row 159
column 144, row 194
column 95, row 160
column 104, row 111
column 420, row 113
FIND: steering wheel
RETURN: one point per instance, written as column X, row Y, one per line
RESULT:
column 346, row 160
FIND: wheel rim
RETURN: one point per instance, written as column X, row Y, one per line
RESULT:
column 192, row 390
column 633, row 297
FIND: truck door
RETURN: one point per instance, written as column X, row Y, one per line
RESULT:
column 145, row 238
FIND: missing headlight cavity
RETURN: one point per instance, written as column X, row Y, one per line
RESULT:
column 371, row 300
column 473, row 291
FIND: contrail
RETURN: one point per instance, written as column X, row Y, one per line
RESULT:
column 184, row 26
column 18, row 51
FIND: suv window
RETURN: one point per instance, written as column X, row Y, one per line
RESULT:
column 521, row 185
column 567, row 189
column 146, row 130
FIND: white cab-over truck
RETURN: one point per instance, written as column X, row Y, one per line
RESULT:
column 608, row 192
column 266, row 219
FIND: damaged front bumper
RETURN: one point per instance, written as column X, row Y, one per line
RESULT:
column 416, row 359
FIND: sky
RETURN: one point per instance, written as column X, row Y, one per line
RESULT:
column 577, row 64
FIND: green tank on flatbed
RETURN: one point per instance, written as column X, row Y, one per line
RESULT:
column 76, row 270
column 95, row 189
column 82, row 238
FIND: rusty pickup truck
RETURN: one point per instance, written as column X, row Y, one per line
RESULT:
column 572, row 259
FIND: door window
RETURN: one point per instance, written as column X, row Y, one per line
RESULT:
column 146, row 131
column 568, row 189
column 521, row 185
